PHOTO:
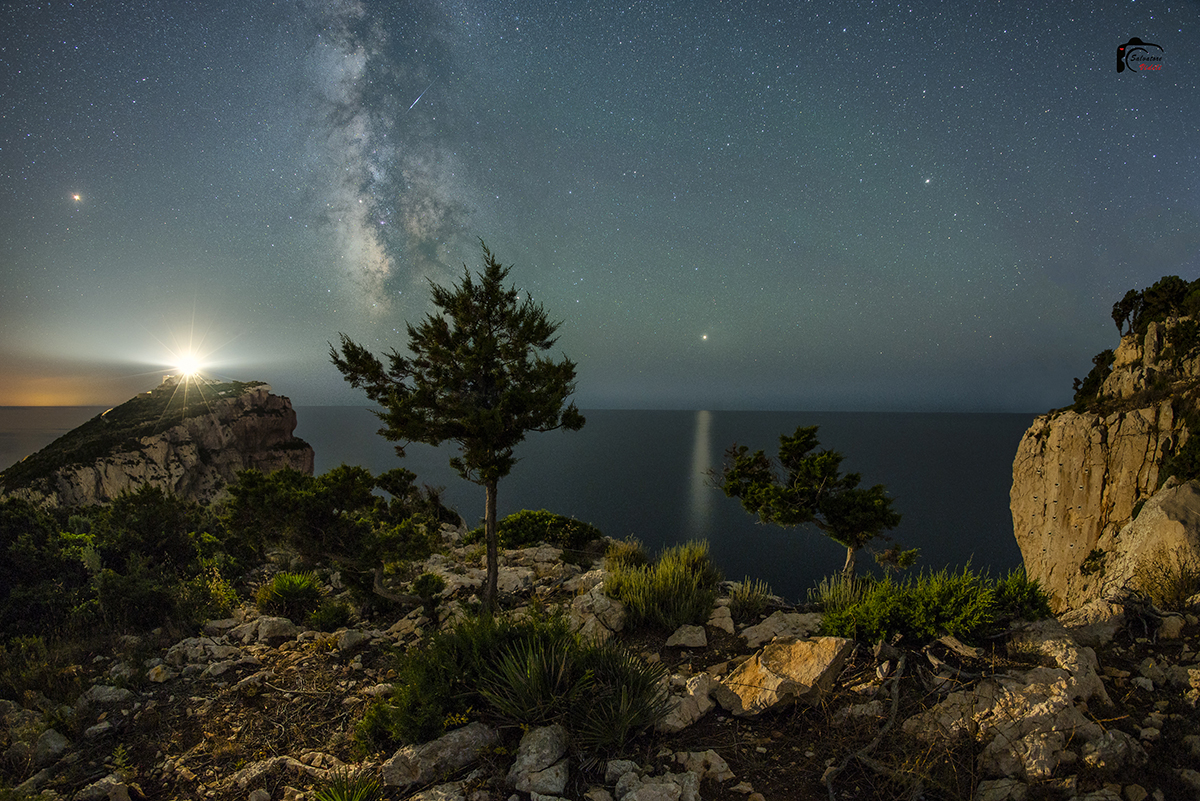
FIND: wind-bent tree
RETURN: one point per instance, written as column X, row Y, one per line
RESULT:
column 476, row 377
column 811, row 490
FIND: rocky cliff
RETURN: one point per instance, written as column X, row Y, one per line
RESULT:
column 190, row 438
column 1082, row 475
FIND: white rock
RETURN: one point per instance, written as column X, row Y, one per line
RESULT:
column 418, row 764
column 783, row 672
column 790, row 625
column 688, row 636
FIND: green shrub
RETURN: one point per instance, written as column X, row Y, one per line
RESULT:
column 1168, row 579
column 342, row 785
column 330, row 615
column 837, row 593
column 292, row 595
column 625, row 554
column 964, row 604
column 680, row 587
column 207, row 596
column 525, row 672
column 527, row 527
column 749, row 599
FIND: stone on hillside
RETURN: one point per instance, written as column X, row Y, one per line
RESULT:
column 707, row 764
column 688, row 636
column 539, row 749
column 614, row 769
column 451, row 791
column 49, row 747
column 1001, row 790
column 667, row 787
column 160, row 673
column 722, row 619
column 1170, row 627
column 1027, row 720
column 1095, row 623
column 110, row 788
column 514, row 579
column 107, row 694
column 686, row 709
column 783, row 672
column 259, row 795
column 351, row 639
column 782, row 625
column 215, row 628
column 596, row 616
column 419, row 764
column 584, row 582
column 274, row 630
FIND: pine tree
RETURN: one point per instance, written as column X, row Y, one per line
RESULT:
column 475, row 377
column 813, row 490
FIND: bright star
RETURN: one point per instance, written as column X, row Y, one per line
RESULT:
column 77, row 197
column 927, row 180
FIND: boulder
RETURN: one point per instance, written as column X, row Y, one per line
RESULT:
column 596, row 616
column 104, row 694
column 1026, row 720
column 420, row 764
column 111, row 788
column 790, row 625
column 783, row 672
column 687, row 636
column 537, row 767
column 274, row 630
column 693, row 704
column 722, row 619
column 49, row 747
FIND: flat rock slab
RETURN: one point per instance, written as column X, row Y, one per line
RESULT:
column 421, row 764
column 782, row 625
column 782, row 673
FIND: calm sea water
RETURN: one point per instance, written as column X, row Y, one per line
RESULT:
column 644, row 474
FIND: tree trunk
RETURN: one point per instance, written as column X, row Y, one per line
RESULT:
column 493, row 551
column 848, row 569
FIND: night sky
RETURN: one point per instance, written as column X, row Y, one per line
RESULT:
column 730, row 205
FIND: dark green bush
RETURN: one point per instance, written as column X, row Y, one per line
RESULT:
column 964, row 604
column 680, row 587
column 292, row 595
column 525, row 672
column 342, row 785
column 527, row 527
column 330, row 615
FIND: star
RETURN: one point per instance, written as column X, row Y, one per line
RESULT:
column 77, row 197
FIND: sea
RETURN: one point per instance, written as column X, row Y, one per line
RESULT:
column 646, row 474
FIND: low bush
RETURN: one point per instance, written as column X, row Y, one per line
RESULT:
column 749, row 599
column 1169, row 578
column 961, row 603
column 527, row 672
column 528, row 527
column 292, row 595
column 680, row 587
column 342, row 785
column 331, row 615
column 625, row 554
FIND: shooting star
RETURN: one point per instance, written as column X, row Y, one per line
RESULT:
column 418, row 100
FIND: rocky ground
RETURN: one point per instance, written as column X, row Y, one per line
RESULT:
column 257, row 708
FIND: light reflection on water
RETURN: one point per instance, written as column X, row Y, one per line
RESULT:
column 700, row 503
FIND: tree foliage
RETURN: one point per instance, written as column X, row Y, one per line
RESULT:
column 811, row 490
column 337, row 518
column 475, row 377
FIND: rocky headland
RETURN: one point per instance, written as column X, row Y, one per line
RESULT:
column 1089, row 498
column 189, row 438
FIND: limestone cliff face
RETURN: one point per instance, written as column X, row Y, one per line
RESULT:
column 1079, row 476
column 226, row 431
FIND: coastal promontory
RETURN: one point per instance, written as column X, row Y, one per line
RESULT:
column 187, row 436
column 1094, row 496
